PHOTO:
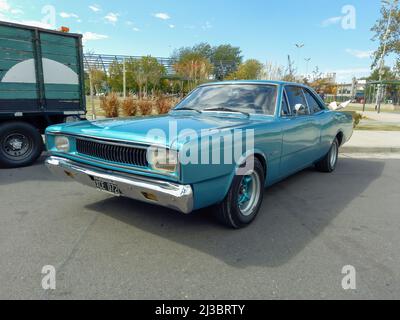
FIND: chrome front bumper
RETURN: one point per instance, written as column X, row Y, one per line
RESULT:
column 163, row 193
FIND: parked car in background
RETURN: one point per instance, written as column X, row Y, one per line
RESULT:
column 292, row 130
column 41, row 83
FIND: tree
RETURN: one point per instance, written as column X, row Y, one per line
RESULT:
column 153, row 70
column 116, row 76
column 98, row 78
column 290, row 72
column 387, row 74
column 146, row 72
column 204, row 49
column 194, row 67
column 272, row 71
column 391, row 91
column 249, row 70
column 392, row 38
column 226, row 60
column 322, row 83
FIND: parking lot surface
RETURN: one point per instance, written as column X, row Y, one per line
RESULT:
column 310, row 226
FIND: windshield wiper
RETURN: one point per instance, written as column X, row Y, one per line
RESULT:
column 223, row 109
column 186, row 109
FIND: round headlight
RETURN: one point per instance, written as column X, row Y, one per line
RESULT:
column 62, row 144
column 163, row 160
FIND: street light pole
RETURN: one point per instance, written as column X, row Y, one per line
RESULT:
column 307, row 64
column 124, row 78
column 299, row 46
column 382, row 62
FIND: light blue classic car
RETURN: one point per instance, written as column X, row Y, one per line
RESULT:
column 219, row 147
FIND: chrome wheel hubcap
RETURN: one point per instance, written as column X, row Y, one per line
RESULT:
column 249, row 193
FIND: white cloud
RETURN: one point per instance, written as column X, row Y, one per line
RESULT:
column 4, row 6
column 91, row 36
column 162, row 16
column 36, row 23
column 94, row 8
column 331, row 21
column 171, row 26
column 360, row 54
column 136, row 29
column 67, row 15
column 207, row 25
column 16, row 11
column 112, row 17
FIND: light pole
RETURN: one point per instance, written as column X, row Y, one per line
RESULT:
column 393, row 4
column 124, row 77
column 299, row 46
column 307, row 60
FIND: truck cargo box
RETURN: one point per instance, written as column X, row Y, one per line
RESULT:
column 41, row 71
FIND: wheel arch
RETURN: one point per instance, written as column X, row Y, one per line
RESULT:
column 340, row 137
column 259, row 155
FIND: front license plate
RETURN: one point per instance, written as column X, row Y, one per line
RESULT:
column 107, row 186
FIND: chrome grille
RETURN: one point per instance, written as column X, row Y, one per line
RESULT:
column 112, row 152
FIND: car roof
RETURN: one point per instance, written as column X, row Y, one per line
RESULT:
column 254, row 82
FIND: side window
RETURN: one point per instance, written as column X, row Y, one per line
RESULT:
column 295, row 96
column 285, row 108
column 312, row 102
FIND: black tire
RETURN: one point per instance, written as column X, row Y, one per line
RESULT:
column 328, row 164
column 229, row 213
column 20, row 144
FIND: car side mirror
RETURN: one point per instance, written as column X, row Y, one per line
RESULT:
column 300, row 109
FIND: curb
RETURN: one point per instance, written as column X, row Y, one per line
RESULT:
column 355, row 149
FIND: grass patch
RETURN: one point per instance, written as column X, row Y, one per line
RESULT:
column 366, row 127
column 359, row 108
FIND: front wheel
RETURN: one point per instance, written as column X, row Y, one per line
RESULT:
column 244, row 199
column 20, row 144
column 328, row 163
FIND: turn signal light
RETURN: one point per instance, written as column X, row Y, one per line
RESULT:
column 150, row 196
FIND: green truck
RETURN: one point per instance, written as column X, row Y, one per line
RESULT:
column 41, row 83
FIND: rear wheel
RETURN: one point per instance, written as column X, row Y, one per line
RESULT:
column 20, row 144
column 328, row 163
column 244, row 199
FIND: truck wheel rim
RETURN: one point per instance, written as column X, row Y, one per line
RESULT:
column 17, row 146
column 249, row 193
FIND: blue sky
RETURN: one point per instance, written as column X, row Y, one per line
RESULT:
column 265, row 29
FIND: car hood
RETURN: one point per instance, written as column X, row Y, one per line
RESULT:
column 145, row 130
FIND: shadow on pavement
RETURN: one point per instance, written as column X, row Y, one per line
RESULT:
column 35, row 172
column 294, row 212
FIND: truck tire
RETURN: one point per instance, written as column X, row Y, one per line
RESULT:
column 244, row 199
column 20, row 144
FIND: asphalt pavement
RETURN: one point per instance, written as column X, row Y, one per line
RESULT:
column 310, row 226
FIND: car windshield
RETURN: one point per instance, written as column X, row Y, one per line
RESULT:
column 245, row 98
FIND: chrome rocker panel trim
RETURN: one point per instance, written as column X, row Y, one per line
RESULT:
column 170, row 195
